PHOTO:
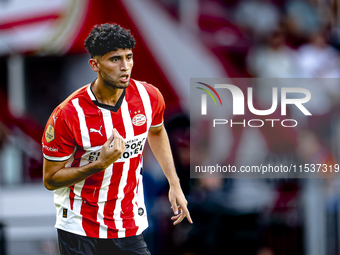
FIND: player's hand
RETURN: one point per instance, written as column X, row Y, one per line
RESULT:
column 112, row 150
column 178, row 205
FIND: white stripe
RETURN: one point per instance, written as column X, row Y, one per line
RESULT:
column 158, row 125
column 107, row 122
column 100, row 218
column 129, row 134
column 118, row 208
column 141, row 221
column 79, row 186
column 127, row 120
column 106, row 179
column 141, row 193
column 146, row 102
column 83, row 161
column 77, row 189
column 58, row 158
column 62, row 200
column 83, row 128
column 74, row 218
column 86, row 144
column 89, row 91
column 135, row 201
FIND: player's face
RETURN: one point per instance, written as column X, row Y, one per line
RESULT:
column 115, row 68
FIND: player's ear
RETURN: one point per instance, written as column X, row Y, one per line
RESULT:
column 93, row 62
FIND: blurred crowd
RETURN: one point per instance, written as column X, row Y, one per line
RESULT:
column 262, row 39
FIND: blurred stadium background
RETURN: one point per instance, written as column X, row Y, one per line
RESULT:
column 43, row 60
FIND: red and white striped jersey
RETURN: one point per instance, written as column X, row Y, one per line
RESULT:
column 108, row 204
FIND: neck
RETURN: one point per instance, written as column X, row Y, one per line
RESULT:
column 106, row 94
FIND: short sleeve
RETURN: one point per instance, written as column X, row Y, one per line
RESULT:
column 58, row 142
column 158, row 110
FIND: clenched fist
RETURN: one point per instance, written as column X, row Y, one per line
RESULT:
column 112, row 150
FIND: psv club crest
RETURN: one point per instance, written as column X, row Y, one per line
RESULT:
column 139, row 120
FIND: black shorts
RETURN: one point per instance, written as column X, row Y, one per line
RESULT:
column 70, row 244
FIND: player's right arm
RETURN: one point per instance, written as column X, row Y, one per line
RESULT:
column 56, row 175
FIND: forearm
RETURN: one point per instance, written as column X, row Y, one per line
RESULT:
column 67, row 176
column 160, row 146
column 56, row 175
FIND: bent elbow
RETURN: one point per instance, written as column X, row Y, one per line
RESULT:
column 48, row 185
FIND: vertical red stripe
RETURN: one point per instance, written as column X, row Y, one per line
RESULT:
column 89, row 223
column 112, row 196
column 157, row 103
column 127, row 206
column 91, row 187
column 131, row 231
column 94, row 123
column 92, row 184
column 73, row 118
column 136, row 107
column 89, row 208
column 118, row 123
column 76, row 162
column 71, row 197
column 117, row 173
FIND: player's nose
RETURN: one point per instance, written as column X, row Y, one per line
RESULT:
column 125, row 65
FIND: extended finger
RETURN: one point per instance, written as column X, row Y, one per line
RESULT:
column 109, row 141
column 179, row 220
column 175, row 217
column 118, row 140
column 120, row 143
column 187, row 214
column 174, row 206
column 115, row 133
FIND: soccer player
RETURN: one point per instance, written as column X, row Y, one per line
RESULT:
column 93, row 145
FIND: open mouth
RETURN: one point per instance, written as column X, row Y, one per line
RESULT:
column 124, row 78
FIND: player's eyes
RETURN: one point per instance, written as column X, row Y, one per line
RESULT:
column 117, row 59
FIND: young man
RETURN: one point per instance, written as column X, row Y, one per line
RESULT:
column 93, row 145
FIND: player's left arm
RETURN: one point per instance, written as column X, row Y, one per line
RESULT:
column 160, row 146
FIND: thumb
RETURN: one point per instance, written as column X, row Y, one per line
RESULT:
column 115, row 133
column 109, row 141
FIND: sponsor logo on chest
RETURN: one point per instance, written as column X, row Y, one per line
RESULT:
column 133, row 147
column 93, row 130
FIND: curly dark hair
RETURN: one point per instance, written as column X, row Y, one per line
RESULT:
column 108, row 37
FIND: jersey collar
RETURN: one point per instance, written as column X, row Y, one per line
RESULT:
column 105, row 106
